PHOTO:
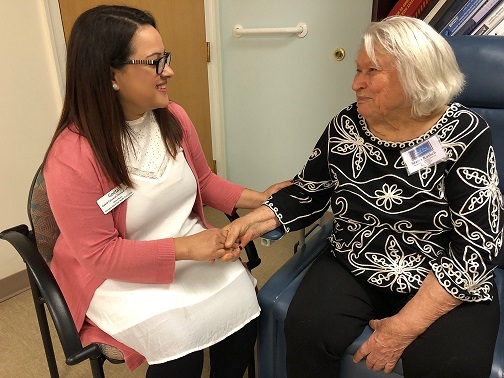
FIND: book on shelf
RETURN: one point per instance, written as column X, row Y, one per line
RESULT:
column 428, row 9
column 473, row 22
column 437, row 11
column 490, row 21
column 448, row 14
column 462, row 16
column 411, row 8
column 498, row 30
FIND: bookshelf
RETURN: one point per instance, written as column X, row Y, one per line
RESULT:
column 381, row 8
column 474, row 16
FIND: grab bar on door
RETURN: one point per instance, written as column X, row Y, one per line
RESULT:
column 301, row 30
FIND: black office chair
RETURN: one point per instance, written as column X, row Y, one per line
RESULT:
column 35, row 246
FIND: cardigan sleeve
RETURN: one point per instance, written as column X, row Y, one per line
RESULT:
column 74, row 184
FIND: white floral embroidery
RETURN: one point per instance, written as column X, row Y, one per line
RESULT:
column 394, row 269
column 389, row 195
column 487, row 191
column 348, row 141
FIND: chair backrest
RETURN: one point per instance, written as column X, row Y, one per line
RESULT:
column 36, row 249
column 481, row 59
column 43, row 224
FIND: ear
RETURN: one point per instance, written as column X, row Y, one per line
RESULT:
column 113, row 74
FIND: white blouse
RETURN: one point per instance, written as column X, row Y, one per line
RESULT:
column 206, row 302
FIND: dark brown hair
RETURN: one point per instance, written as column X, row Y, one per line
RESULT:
column 101, row 40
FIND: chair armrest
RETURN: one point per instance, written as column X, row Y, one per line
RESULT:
column 269, row 237
column 298, row 262
column 41, row 276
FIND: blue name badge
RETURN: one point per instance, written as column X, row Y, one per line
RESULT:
column 423, row 155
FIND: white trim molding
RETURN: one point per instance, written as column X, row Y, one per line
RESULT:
column 212, row 25
column 57, row 41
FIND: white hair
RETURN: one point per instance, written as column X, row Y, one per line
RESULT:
column 425, row 62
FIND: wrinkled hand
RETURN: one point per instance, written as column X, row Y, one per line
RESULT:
column 205, row 245
column 275, row 188
column 237, row 234
column 385, row 346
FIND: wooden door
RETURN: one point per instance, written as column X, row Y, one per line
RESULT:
column 181, row 24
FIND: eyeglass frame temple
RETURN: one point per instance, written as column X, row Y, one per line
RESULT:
column 152, row 62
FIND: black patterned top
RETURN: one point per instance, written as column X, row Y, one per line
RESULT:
column 390, row 227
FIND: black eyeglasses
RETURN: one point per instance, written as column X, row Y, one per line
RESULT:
column 159, row 63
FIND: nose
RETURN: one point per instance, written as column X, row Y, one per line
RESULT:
column 358, row 82
column 167, row 71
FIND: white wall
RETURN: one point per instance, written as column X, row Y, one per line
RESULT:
column 30, row 103
column 280, row 92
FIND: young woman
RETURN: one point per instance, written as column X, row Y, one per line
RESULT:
column 126, row 177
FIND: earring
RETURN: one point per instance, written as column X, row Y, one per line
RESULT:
column 115, row 86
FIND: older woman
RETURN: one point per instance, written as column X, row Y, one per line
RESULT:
column 412, row 182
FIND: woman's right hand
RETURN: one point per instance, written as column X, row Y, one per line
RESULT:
column 205, row 245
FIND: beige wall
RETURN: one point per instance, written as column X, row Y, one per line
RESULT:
column 30, row 102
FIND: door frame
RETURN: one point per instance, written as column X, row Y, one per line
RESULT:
column 212, row 26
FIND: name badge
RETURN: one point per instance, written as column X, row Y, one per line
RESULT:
column 423, row 155
column 114, row 198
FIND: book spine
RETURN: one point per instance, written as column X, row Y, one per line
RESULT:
column 428, row 9
column 471, row 24
column 407, row 7
column 498, row 29
column 435, row 13
column 490, row 21
column 448, row 14
column 424, row 4
column 467, row 11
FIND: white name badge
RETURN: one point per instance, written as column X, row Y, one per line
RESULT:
column 423, row 155
column 114, row 198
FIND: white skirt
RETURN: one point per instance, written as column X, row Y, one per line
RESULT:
column 204, row 304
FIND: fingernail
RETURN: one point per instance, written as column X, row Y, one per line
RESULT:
column 240, row 247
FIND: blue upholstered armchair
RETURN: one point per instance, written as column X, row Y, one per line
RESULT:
column 481, row 58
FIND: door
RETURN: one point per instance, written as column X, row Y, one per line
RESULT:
column 280, row 91
column 182, row 27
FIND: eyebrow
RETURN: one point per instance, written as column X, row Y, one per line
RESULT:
column 154, row 54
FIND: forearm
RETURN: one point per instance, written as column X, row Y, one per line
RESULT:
column 250, row 226
column 430, row 303
column 251, row 199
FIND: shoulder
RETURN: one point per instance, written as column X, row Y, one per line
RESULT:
column 466, row 117
column 70, row 144
column 346, row 120
column 349, row 111
column 72, row 152
column 179, row 113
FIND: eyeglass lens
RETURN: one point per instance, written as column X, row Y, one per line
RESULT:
column 162, row 62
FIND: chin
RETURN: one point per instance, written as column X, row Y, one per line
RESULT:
column 163, row 104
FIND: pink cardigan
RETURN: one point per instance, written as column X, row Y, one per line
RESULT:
column 92, row 247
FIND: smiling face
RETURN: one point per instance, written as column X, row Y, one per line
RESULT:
column 379, row 92
column 140, row 88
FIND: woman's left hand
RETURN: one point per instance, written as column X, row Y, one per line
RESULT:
column 385, row 346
